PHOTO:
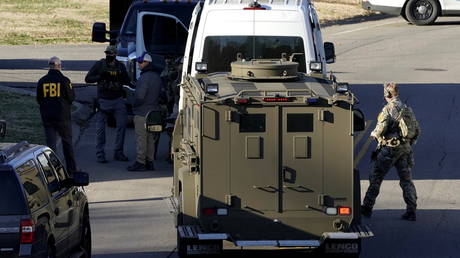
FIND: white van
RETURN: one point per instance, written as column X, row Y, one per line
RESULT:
column 418, row 12
column 219, row 29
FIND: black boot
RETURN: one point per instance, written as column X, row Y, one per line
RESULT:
column 149, row 165
column 366, row 211
column 137, row 166
column 409, row 215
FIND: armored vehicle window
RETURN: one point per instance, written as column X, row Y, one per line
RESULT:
column 48, row 171
column 252, row 123
column 11, row 197
column 163, row 35
column 299, row 123
column 33, row 184
column 220, row 51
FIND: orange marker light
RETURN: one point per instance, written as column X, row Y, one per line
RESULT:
column 344, row 211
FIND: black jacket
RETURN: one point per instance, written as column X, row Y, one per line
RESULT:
column 55, row 96
column 110, row 79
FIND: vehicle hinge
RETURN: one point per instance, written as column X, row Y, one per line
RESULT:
column 321, row 198
column 232, row 116
column 229, row 199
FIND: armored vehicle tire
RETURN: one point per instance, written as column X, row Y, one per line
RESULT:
column 181, row 246
column 356, row 197
column 422, row 12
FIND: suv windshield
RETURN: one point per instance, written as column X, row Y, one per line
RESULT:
column 220, row 51
column 12, row 200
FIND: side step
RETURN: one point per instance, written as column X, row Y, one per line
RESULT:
column 363, row 231
column 172, row 204
column 195, row 232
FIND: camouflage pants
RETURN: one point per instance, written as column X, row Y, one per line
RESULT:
column 401, row 158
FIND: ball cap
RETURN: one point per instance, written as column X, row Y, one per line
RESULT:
column 111, row 50
column 144, row 57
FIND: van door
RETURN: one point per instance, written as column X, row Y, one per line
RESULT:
column 254, row 158
column 302, row 162
column 160, row 34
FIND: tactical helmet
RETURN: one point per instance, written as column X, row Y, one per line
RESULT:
column 111, row 50
column 390, row 89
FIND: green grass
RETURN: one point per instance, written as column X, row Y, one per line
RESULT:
column 22, row 115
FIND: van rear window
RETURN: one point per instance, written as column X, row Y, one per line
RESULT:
column 12, row 200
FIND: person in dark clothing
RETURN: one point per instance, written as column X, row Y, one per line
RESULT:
column 147, row 95
column 110, row 76
column 55, row 96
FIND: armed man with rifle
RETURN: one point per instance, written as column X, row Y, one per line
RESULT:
column 396, row 131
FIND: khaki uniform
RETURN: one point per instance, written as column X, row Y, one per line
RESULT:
column 400, row 157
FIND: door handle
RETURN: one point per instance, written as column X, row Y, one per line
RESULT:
column 56, row 211
column 69, row 202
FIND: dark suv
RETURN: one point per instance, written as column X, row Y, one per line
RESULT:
column 43, row 210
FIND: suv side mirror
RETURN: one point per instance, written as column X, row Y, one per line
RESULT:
column 99, row 32
column 80, row 179
column 2, row 128
column 329, row 49
column 359, row 123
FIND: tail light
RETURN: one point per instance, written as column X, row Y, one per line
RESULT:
column 344, row 210
column 27, row 231
column 215, row 211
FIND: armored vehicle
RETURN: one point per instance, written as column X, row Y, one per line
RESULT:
column 263, row 144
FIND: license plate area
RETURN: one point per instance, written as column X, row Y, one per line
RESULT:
column 203, row 248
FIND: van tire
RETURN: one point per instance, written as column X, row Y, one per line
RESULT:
column 430, row 9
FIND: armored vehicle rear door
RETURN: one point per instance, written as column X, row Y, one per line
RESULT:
column 301, row 155
column 254, row 158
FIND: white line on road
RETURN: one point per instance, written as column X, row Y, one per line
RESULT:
column 364, row 28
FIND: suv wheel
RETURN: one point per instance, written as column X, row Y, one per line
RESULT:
column 85, row 241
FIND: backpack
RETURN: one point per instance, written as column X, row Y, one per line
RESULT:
column 408, row 125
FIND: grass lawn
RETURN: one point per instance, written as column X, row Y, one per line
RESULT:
column 22, row 117
column 50, row 21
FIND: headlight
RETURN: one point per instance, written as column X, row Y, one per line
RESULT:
column 341, row 88
column 316, row 66
column 201, row 67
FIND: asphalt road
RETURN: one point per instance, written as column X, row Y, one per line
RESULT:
column 130, row 219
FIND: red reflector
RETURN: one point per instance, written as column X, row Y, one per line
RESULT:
column 209, row 211
column 344, row 211
column 277, row 99
column 243, row 101
column 27, row 231
column 254, row 8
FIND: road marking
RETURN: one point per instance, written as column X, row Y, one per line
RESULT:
column 364, row 28
column 361, row 135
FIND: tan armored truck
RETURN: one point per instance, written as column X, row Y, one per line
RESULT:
column 263, row 144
